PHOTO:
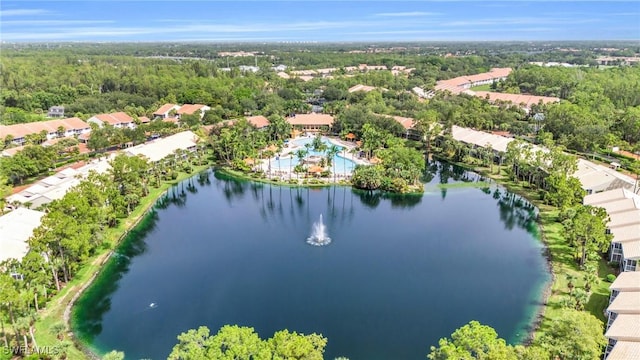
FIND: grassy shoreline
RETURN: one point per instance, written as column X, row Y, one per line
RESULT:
column 58, row 309
column 559, row 257
column 551, row 234
column 247, row 176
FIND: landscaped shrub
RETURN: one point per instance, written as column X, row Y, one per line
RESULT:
column 611, row 278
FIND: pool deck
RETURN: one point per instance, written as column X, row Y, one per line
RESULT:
column 288, row 153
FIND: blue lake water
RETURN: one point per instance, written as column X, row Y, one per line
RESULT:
column 400, row 272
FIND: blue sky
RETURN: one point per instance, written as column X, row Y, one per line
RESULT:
column 275, row 21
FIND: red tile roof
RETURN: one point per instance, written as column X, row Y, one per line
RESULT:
column 189, row 108
column 115, row 118
column 164, row 109
column 407, row 123
column 12, row 151
column 311, row 119
column 258, row 121
column 517, row 99
column 144, row 119
column 460, row 81
column 51, row 126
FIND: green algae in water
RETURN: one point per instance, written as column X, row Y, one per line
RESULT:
column 86, row 317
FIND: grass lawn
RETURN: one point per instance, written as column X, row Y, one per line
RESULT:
column 58, row 308
column 562, row 259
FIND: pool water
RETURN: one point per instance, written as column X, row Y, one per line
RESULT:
column 340, row 165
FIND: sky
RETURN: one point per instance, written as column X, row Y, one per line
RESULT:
column 321, row 21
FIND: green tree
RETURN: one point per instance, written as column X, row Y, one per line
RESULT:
column 285, row 345
column 585, row 229
column 235, row 342
column 473, row 341
column 576, row 335
column 192, row 345
column 367, row 177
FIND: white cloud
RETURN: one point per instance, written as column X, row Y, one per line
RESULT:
column 23, row 12
column 519, row 21
column 407, row 14
column 55, row 22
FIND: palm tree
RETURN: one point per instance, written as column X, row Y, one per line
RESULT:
column 331, row 152
column 269, row 154
column 301, row 154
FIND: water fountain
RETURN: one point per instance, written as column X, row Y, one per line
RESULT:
column 318, row 234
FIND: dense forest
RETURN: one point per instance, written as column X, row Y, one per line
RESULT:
column 600, row 108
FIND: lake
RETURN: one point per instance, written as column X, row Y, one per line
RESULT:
column 400, row 272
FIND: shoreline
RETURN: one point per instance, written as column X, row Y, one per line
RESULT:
column 95, row 267
column 244, row 176
column 545, row 294
column 86, row 350
column 534, row 323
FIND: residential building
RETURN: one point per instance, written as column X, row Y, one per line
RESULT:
column 461, row 83
column 192, row 109
column 118, row 120
column 596, row 178
column 523, row 100
column 53, row 129
column 159, row 149
column 305, row 78
column 16, row 228
column 311, row 122
column 168, row 111
column 259, row 121
column 480, row 138
column 303, row 72
column 624, row 300
column 56, row 111
column 365, row 88
column 56, row 186
column 623, row 208
column 164, row 111
column 247, row 68
column 624, row 334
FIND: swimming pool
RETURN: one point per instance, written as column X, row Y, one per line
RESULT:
column 341, row 165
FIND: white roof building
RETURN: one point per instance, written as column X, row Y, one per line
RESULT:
column 56, row 186
column 625, row 350
column 16, row 228
column 626, row 327
column 623, row 208
column 595, row 178
column 621, row 331
column 159, row 149
column 480, row 138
